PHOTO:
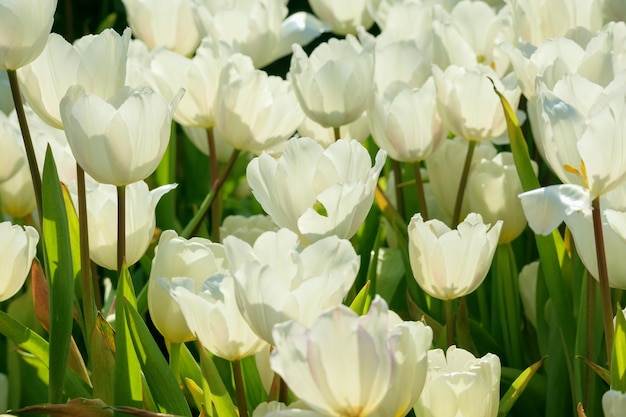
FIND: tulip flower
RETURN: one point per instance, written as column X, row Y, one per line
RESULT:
column 277, row 280
column 493, row 187
column 460, row 385
column 335, row 82
column 198, row 137
column 259, row 29
column 168, row 23
column 120, row 140
column 449, row 264
column 613, row 403
column 344, row 17
column 405, row 122
column 444, row 168
column 24, row 28
column 102, row 220
column 533, row 20
column 339, row 181
column 195, row 259
column 12, row 155
column 17, row 195
column 461, row 91
column 254, row 111
column 18, row 246
column 247, row 229
column 346, row 365
column 96, row 62
column 213, row 316
column 199, row 76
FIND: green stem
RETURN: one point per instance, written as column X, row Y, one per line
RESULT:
column 28, row 142
column 589, row 324
column 449, row 310
column 337, row 132
column 419, row 183
column 456, row 216
column 397, row 176
column 121, row 228
column 240, row 389
column 603, row 278
column 175, row 359
column 89, row 305
column 216, row 208
column 194, row 223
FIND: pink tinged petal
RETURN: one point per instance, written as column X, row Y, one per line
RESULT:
column 547, row 207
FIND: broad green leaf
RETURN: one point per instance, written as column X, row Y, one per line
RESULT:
column 362, row 301
column 103, row 360
column 255, row 392
column 390, row 272
column 214, row 389
column 127, row 388
column 546, row 245
column 517, row 388
column 60, row 273
column 618, row 354
column 163, row 385
column 37, row 346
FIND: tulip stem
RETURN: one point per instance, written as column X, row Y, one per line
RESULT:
column 240, row 389
column 175, row 359
column 591, row 307
column 417, row 172
column 89, row 305
column 283, row 392
column 456, row 216
column 194, row 224
column 216, row 207
column 449, row 310
column 397, row 176
column 337, row 132
column 603, row 278
column 121, row 228
column 28, row 142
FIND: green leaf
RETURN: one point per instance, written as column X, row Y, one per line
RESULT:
column 103, row 360
column 517, row 388
column 255, row 392
column 618, row 354
column 37, row 346
column 107, row 22
column 163, row 385
column 60, row 272
column 362, row 301
column 127, row 389
column 214, row 389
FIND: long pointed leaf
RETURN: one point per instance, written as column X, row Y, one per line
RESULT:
column 517, row 388
column 60, row 272
column 163, row 385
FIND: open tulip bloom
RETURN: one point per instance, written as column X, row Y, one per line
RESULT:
column 339, row 181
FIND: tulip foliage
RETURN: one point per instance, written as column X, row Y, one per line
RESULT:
column 318, row 208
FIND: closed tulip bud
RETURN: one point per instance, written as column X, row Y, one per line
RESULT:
column 613, row 403
column 24, row 28
column 349, row 366
column 343, row 16
column 18, row 246
column 325, row 136
column 460, row 385
column 102, row 219
column 96, row 62
column 12, row 155
column 460, row 91
column 492, row 191
column 254, row 111
column 317, row 192
column 213, row 316
column 449, row 264
column 277, row 280
column 168, row 23
column 404, row 122
column 174, row 256
column 333, row 85
column 121, row 140
column 17, row 195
